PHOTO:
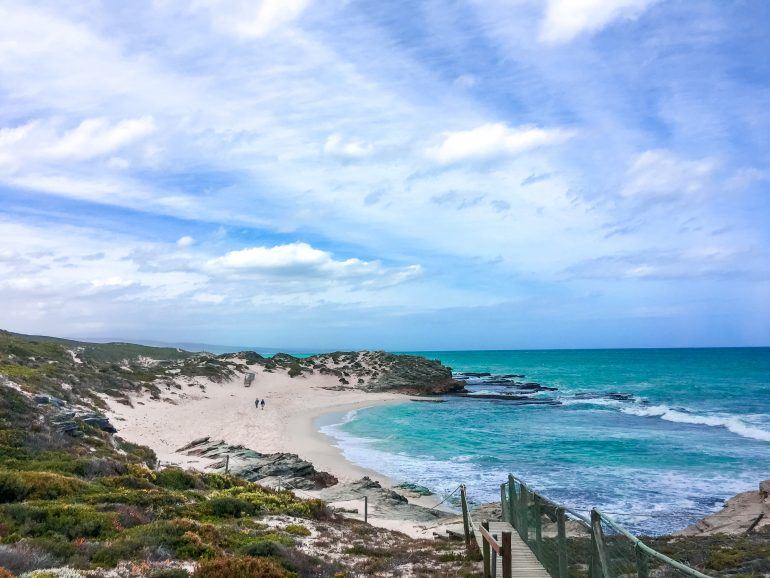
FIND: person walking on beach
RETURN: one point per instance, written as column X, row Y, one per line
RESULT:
column 263, row 404
column 256, row 403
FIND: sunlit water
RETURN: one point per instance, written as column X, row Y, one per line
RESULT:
column 695, row 432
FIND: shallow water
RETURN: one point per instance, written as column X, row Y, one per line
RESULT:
column 694, row 431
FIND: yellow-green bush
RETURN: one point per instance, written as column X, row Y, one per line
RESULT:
column 265, row 500
column 70, row 520
column 297, row 530
column 50, row 486
column 240, row 568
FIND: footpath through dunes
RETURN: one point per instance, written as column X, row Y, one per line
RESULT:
column 79, row 501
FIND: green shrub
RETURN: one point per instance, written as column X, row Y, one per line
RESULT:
column 50, row 486
column 128, row 481
column 262, row 548
column 108, row 555
column 185, row 539
column 72, row 521
column 297, row 530
column 170, row 573
column 12, row 488
column 240, row 568
column 177, row 479
column 283, row 502
column 228, row 507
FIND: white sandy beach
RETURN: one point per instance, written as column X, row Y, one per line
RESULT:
column 226, row 411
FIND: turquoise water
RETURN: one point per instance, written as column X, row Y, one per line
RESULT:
column 690, row 429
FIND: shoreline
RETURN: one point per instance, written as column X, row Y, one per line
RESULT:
column 194, row 408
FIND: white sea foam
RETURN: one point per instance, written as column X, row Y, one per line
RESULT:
column 735, row 424
column 732, row 423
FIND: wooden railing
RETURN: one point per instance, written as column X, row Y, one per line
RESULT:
column 598, row 547
column 492, row 550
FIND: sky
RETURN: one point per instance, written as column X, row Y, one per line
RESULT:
column 345, row 174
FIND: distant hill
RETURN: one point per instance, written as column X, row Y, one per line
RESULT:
column 112, row 352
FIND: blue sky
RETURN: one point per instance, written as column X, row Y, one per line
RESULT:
column 404, row 175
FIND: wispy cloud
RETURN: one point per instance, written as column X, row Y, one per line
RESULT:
column 566, row 19
column 495, row 139
column 379, row 167
column 660, row 174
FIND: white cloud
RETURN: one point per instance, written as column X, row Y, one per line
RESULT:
column 301, row 260
column 566, row 19
column 495, row 139
column 662, row 174
column 92, row 138
column 252, row 18
column 335, row 145
column 186, row 241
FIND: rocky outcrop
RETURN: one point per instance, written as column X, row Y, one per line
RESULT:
column 414, row 375
column 282, row 470
column 383, row 502
column 742, row 514
column 367, row 370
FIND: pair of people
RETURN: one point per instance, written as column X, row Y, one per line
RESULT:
column 258, row 403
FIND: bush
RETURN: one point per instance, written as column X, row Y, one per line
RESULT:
column 283, row 502
column 23, row 557
column 11, row 487
column 297, row 530
column 177, row 479
column 48, row 486
column 182, row 538
column 72, row 521
column 240, row 568
column 5, row 573
column 228, row 507
column 170, row 573
column 262, row 549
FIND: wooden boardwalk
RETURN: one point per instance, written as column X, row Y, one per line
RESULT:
column 524, row 562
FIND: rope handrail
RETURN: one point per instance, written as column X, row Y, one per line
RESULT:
column 650, row 551
column 567, row 510
column 524, row 506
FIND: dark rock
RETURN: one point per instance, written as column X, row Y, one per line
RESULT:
column 101, row 422
column 273, row 470
column 518, row 399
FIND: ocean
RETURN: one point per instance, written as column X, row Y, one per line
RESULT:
column 658, row 438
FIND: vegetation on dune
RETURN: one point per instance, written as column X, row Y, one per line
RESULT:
column 76, row 500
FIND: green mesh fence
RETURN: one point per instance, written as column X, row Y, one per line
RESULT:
column 570, row 545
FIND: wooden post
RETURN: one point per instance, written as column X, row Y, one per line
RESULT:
column 538, row 526
column 524, row 515
column 366, row 509
column 512, row 510
column 642, row 566
column 494, row 559
column 485, row 552
column 503, row 509
column 507, row 555
column 227, row 464
column 561, row 526
column 601, row 568
column 466, row 518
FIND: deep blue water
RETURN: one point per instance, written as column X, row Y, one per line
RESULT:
column 694, row 431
